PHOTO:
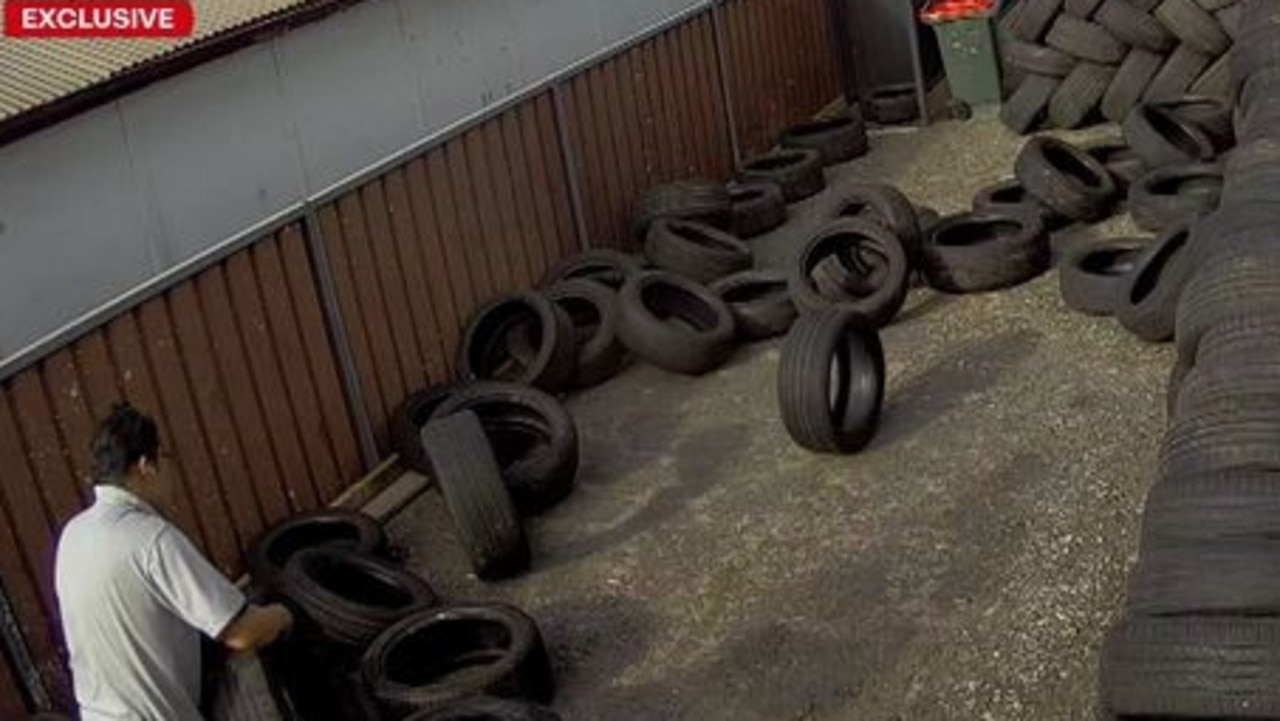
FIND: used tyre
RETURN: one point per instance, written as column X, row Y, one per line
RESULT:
column 985, row 250
column 1131, row 25
column 837, row 140
column 1093, row 276
column 443, row 656
column 593, row 309
column 1039, row 59
column 831, row 381
column 532, row 437
column 702, row 200
column 758, row 208
column 883, row 205
column 867, row 251
column 695, row 250
column 1130, row 83
column 1119, row 159
column 488, row 709
column 1161, row 138
column 1195, row 667
column 1065, row 178
column 511, row 320
column 1193, row 26
column 1085, row 40
column 405, row 426
column 1235, row 577
column 465, row 470
column 607, row 267
column 352, row 597
column 1180, row 70
column 1011, row 196
column 760, row 302
column 328, row 528
column 1148, row 306
column 1231, row 287
column 674, row 323
column 1175, row 195
column 893, row 104
column 1023, row 111
column 1079, row 94
column 1211, row 115
column 1034, row 18
column 797, row 171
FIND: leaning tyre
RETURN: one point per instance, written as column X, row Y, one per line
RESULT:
column 1175, row 196
column 1038, row 59
column 593, row 309
column 701, row 341
column 831, row 382
column 797, row 171
column 695, row 250
column 837, row 140
column 352, row 597
column 1079, row 94
column 488, row 709
column 415, row 665
column 1149, row 304
column 1193, row 26
column 486, row 345
column 1180, row 70
column 1023, row 111
column 1085, row 40
column 1094, row 276
column 532, row 436
column 1130, row 83
column 1065, row 178
column 983, row 251
column 882, row 281
column 1133, row 26
column 405, row 426
column 760, row 302
column 328, row 528
column 465, row 470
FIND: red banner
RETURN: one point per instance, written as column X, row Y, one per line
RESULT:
column 98, row 19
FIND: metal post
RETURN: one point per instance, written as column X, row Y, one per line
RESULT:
column 351, row 386
column 570, row 160
column 917, row 64
column 838, row 16
column 19, row 656
column 723, row 78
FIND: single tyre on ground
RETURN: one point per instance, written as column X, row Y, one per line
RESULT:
column 465, row 470
column 593, row 309
column 1065, row 178
column 893, row 104
column 798, row 171
column 1176, row 195
column 352, row 597
column 758, row 207
column 869, row 266
column 1161, row 138
column 607, row 267
column 695, row 250
column 674, row 323
column 831, row 381
column 838, row 140
column 532, row 437
column 1148, row 306
column 515, row 320
column 1093, row 276
column 985, row 250
column 884, row 205
column 442, row 656
column 1011, row 196
column 328, row 528
column 760, row 302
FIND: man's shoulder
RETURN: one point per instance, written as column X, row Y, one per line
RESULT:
column 102, row 529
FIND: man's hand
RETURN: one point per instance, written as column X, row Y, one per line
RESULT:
column 258, row 626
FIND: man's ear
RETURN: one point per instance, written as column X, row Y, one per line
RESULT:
column 145, row 466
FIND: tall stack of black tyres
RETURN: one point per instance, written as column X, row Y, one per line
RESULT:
column 1149, row 303
column 760, row 302
column 488, row 709
column 432, row 660
column 405, row 426
column 532, row 436
column 798, row 171
column 1066, row 179
column 985, row 250
column 883, row 205
column 856, row 265
column 831, row 381
column 1093, row 277
column 493, row 346
column 327, row 528
column 1119, row 159
column 1175, row 196
column 593, row 309
column 838, row 139
column 607, row 267
column 1201, row 634
column 705, row 201
column 695, row 250
column 758, row 207
column 1078, row 61
column 464, row 468
column 674, row 323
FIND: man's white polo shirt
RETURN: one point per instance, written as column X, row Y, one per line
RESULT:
column 135, row 595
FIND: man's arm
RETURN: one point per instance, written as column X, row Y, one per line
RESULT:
column 255, row 627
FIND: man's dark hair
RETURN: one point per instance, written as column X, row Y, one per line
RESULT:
column 124, row 438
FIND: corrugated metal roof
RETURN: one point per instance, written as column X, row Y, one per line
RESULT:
column 36, row 72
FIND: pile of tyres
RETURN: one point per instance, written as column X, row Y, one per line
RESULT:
column 1200, row 636
column 1071, row 63
column 373, row 641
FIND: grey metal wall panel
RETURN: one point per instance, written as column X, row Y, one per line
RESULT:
column 73, row 234
column 555, row 34
column 351, row 87
column 215, row 153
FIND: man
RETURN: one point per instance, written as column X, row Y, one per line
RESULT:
column 136, row 595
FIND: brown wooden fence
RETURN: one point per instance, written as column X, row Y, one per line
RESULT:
column 240, row 364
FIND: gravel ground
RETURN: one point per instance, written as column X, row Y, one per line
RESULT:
column 965, row 566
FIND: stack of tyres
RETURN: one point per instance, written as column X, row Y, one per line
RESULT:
column 1200, row 638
